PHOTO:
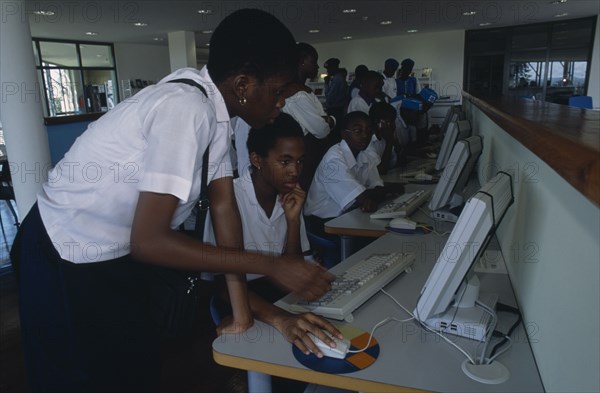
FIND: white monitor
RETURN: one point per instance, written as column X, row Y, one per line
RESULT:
column 454, row 114
column 447, row 197
column 457, row 131
column 447, row 300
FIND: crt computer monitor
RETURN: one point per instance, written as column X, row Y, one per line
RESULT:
column 447, row 300
column 457, row 131
column 447, row 198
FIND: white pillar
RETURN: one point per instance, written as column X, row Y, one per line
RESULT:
column 21, row 106
column 182, row 49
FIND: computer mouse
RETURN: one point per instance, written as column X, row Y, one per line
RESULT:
column 341, row 346
column 403, row 223
column 423, row 177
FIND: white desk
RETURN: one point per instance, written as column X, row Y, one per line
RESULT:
column 358, row 223
column 410, row 358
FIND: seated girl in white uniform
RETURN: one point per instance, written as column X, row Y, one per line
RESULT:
column 270, row 202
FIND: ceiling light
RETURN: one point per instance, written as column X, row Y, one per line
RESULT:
column 485, row 23
column 349, row 11
column 91, row 33
column 385, row 22
column 469, row 13
column 44, row 13
column 158, row 39
column 314, row 31
column 412, row 31
column 140, row 24
column 205, row 12
column 365, row 18
column 207, row 31
column 558, row 1
column 561, row 15
column 207, row 44
column 348, row 37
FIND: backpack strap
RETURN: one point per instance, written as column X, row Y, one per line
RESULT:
column 203, row 203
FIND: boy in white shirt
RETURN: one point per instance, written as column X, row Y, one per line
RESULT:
column 347, row 176
column 370, row 89
column 385, row 142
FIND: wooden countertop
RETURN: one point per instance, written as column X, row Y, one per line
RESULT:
column 566, row 138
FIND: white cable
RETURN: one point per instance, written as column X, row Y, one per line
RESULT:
column 399, row 305
column 424, row 326
column 388, row 319
column 488, row 361
column 490, row 331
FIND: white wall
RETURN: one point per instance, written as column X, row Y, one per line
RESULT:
column 549, row 239
column 594, row 82
column 139, row 61
column 443, row 52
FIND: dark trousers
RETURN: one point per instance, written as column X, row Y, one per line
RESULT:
column 85, row 326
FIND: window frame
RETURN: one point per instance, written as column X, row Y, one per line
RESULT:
column 80, row 69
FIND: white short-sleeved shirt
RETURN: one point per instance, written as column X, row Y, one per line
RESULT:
column 261, row 233
column 151, row 142
column 389, row 86
column 378, row 146
column 358, row 104
column 339, row 179
column 308, row 111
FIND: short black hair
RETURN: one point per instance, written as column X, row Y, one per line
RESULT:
column 353, row 116
column 360, row 71
column 253, row 42
column 371, row 76
column 381, row 109
column 305, row 50
column 261, row 140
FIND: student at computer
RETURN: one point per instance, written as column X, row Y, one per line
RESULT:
column 302, row 104
column 347, row 177
column 270, row 204
column 385, row 142
column 370, row 90
column 87, row 242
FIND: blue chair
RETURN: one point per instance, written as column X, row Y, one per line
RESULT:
column 257, row 382
column 581, row 102
column 328, row 250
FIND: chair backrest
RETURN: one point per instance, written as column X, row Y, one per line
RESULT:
column 581, row 102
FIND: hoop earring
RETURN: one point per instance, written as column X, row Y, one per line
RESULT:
column 242, row 100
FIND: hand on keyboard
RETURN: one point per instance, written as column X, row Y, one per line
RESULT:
column 309, row 280
column 355, row 286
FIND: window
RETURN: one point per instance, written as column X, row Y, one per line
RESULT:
column 546, row 61
column 76, row 77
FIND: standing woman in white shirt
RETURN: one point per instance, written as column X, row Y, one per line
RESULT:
column 119, row 194
column 304, row 106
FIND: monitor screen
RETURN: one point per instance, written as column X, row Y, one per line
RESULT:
column 474, row 228
column 457, row 131
column 456, row 174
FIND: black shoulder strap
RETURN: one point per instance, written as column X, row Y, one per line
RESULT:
column 191, row 83
column 203, row 205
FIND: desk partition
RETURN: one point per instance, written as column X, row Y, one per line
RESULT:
column 549, row 237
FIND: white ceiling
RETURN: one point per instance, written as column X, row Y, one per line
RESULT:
column 113, row 20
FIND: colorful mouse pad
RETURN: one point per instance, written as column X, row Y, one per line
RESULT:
column 353, row 361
